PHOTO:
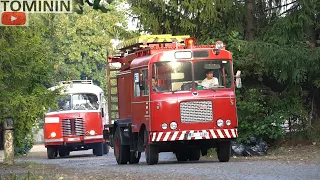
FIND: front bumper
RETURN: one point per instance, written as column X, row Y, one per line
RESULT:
column 74, row 139
column 193, row 135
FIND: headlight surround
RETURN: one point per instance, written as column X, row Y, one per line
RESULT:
column 228, row 122
column 53, row 134
column 92, row 132
column 220, row 122
column 164, row 125
column 173, row 125
column 219, row 45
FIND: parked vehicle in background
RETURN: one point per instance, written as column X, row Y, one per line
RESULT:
column 77, row 123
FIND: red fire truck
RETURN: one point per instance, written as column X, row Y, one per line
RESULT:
column 77, row 123
column 173, row 96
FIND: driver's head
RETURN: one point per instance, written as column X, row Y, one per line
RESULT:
column 209, row 74
column 154, row 81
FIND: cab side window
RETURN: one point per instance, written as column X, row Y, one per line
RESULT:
column 145, row 84
column 136, row 86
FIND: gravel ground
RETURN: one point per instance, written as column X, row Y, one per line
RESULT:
column 84, row 165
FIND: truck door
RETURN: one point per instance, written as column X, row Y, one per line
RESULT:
column 140, row 99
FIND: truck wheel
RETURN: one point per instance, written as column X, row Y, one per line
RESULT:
column 105, row 148
column 121, row 152
column 134, row 157
column 63, row 152
column 51, row 152
column 224, row 151
column 194, row 154
column 151, row 151
column 98, row 149
column 182, row 155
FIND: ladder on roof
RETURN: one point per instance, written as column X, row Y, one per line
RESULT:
column 113, row 109
column 140, row 42
column 77, row 82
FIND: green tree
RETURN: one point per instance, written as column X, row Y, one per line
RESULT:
column 25, row 62
column 274, row 43
column 81, row 43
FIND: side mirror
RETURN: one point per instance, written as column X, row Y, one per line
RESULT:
column 102, row 112
column 142, row 85
column 141, row 82
column 238, row 79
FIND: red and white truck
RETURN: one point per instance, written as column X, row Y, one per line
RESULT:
column 173, row 96
column 77, row 123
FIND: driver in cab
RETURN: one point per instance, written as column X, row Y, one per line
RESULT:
column 209, row 81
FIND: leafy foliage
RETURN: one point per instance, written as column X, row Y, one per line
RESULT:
column 82, row 41
column 51, row 49
column 263, row 112
column 274, row 43
column 25, row 68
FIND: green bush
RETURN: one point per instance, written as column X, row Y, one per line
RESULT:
column 262, row 112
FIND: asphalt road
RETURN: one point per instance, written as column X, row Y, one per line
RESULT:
column 83, row 163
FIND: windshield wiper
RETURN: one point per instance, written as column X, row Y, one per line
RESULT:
column 216, row 87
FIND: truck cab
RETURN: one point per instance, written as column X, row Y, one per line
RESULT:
column 78, row 120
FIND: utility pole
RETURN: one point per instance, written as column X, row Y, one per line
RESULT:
column 8, row 142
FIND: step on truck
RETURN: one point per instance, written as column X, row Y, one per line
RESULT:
column 172, row 96
column 78, row 121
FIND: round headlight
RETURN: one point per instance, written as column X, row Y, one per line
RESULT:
column 173, row 125
column 92, row 132
column 220, row 122
column 53, row 134
column 228, row 122
column 219, row 45
column 164, row 126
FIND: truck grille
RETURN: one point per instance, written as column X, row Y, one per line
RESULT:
column 196, row 111
column 79, row 127
column 73, row 127
column 66, row 127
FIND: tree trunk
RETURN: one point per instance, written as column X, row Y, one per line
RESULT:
column 8, row 147
column 250, row 30
column 312, row 35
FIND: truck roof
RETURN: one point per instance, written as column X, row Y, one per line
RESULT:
column 163, row 55
column 143, row 50
column 72, row 87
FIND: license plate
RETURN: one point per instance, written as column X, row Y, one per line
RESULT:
column 73, row 139
column 198, row 134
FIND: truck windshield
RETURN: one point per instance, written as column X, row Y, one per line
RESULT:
column 210, row 74
column 177, row 76
column 83, row 101
column 173, row 75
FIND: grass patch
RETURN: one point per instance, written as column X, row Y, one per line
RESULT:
column 30, row 171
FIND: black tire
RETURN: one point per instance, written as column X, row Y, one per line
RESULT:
column 224, row 151
column 182, row 155
column 63, row 152
column 105, row 148
column 151, row 151
column 51, row 152
column 98, row 149
column 194, row 154
column 121, row 152
column 134, row 157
